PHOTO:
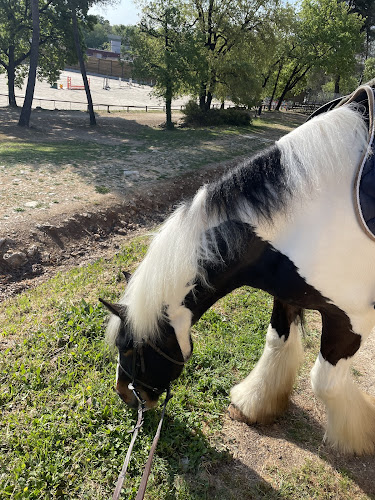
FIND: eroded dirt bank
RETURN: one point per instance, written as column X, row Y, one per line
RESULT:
column 32, row 251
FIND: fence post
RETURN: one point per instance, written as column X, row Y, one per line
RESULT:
column 146, row 109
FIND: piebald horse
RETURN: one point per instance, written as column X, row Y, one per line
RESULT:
column 284, row 221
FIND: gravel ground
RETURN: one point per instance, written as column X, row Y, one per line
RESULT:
column 119, row 95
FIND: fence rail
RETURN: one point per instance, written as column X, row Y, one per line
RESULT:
column 57, row 104
column 306, row 108
column 82, row 106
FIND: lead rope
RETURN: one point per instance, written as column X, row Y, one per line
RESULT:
column 147, row 469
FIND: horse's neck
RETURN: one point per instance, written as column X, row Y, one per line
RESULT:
column 230, row 271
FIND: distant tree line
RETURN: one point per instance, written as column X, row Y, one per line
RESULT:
column 246, row 51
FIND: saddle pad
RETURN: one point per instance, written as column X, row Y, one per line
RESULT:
column 364, row 184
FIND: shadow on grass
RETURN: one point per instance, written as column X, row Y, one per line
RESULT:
column 196, row 470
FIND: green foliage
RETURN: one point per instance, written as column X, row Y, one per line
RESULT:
column 229, row 36
column 369, row 72
column 56, row 44
column 325, row 36
column 55, row 41
column 164, row 49
column 333, row 31
column 195, row 116
column 96, row 36
column 347, row 85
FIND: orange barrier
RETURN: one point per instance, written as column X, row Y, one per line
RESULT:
column 75, row 87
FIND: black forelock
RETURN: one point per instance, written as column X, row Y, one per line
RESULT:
column 124, row 339
column 259, row 182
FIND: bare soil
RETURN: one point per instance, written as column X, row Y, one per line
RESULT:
column 67, row 222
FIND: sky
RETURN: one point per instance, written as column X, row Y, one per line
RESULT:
column 125, row 12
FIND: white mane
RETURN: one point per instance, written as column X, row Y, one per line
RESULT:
column 318, row 148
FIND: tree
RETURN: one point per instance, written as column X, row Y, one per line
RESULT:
column 327, row 36
column 128, row 39
column 97, row 36
column 365, row 8
column 79, row 12
column 369, row 73
column 26, row 108
column 223, row 28
column 16, row 33
column 163, row 48
column 77, row 42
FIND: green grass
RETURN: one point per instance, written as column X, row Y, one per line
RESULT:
column 17, row 152
column 102, row 189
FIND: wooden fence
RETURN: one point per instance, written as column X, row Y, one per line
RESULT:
column 106, row 67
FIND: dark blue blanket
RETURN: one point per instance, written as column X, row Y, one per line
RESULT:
column 365, row 181
column 367, row 191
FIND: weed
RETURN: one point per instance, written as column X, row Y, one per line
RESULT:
column 102, row 189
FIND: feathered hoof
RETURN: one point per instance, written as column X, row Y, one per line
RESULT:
column 236, row 414
column 355, row 433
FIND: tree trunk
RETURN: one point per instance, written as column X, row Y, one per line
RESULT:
column 337, row 85
column 202, row 97
column 208, row 101
column 275, row 87
column 26, row 108
column 281, row 98
column 11, row 72
column 168, row 106
column 294, row 78
column 82, row 66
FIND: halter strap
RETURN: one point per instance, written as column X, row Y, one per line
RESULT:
column 147, row 469
column 164, row 355
column 120, row 480
column 137, row 381
column 132, row 376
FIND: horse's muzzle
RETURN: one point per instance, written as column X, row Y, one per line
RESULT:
column 127, row 395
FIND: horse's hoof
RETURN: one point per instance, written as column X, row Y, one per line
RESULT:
column 236, row 414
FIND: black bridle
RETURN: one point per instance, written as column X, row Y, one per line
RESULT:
column 138, row 353
column 141, row 410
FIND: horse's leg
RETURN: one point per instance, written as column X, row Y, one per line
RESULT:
column 350, row 412
column 264, row 393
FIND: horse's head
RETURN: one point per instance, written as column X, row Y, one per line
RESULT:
column 145, row 368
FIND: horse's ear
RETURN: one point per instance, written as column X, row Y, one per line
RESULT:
column 116, row 309
column 127, row 276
